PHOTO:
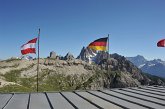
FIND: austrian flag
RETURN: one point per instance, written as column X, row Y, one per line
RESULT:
column 29, row 47
column 161, row 43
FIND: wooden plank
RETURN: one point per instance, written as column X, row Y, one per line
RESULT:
column 145, row 93
column 157, row 90
column 59, row 102
column 38, row 101
column 18, row 101
column 116, row 100
column 98, row 101
column 142, row 96
column 144, row 103
column 79, row 102
column 4, row 98
column 149, row 91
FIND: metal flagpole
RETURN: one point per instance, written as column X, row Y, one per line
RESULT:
column 108, row 54
column 38, row 57
column 108, row 45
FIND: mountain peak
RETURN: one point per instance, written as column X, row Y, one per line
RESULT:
column 139, row 56
column 137, row 60
column 154, row 67
column 87, row 54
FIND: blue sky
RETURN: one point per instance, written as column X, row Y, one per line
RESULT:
column 134, row 26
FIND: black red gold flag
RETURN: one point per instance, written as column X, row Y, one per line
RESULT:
column 99, row 44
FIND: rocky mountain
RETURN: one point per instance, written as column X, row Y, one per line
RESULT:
column 87, row 55
column 137, row 60
column 154, row 67
column 69, row 56
column 117, row 63
column 67, row 73
column 91, row 56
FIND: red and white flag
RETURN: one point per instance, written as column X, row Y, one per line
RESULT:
column 161, row 43
column 29, row 47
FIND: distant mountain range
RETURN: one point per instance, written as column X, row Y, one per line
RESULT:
column 154, row 67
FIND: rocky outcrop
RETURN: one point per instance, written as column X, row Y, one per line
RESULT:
column 69, row 56
column 53, row 55
column 87, row 55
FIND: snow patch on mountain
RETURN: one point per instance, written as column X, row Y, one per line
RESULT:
column 154, row 67
column 140, row 66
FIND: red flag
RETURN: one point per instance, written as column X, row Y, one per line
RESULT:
column 29, row 47
column 161, row 43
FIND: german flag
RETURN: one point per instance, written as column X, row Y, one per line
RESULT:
column 99, row 44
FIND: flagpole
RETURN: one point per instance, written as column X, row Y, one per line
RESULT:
column 108, row 45
column 108, row 55
column 38, row 57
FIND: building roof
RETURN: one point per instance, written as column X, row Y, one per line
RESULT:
column 152, row 97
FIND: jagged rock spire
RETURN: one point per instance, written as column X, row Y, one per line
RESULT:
column 69, row 56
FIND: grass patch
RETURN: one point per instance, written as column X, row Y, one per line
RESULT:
column 50, row 80
column 12, row 76
column 27, row 82
column 14, row 88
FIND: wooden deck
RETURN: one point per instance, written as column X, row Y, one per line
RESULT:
column 148, row 97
